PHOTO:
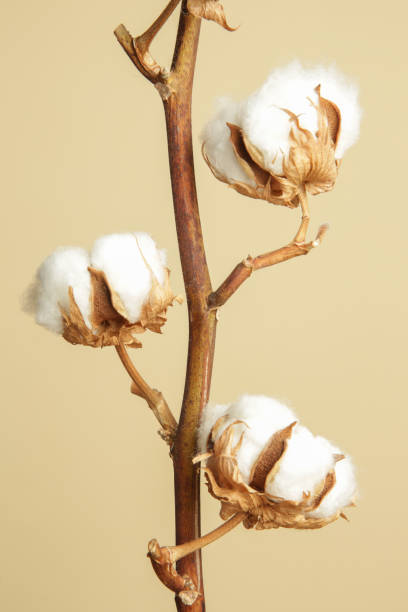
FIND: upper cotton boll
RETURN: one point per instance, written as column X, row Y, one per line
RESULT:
column 129, row 261
column 285, row 141
column 65, row 267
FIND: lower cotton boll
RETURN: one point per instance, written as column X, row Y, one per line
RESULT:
column 260, row 460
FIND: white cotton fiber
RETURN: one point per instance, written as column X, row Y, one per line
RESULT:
column 217, row 145
column 293, row 87
column 267, row 125
column 344, row 491
column 128, row 261
column 65, row 267
column 210, row 416
column 303, row 467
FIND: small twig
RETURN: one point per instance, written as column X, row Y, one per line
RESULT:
column 244, row 269
column 138, row 49
column 164, row 558
column 171, row 554
column 154, row 398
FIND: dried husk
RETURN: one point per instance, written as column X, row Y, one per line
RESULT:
column 310, row 165
column 109, row 318
column 211, row 10
column 264, row 511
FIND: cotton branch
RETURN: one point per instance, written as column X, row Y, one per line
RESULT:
column 244, row 269
column 154, row 398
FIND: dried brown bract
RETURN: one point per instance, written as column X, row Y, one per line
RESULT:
column 310, row 165
column 109, row 317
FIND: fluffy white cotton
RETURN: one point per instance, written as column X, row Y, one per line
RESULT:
column 210, row 416
column 217, row 145
column 303, row 467
column 128, row 261
column 292, row 87
column 263, row 417
column 307, row 459
column 65, row 267
column 267, row 126
column 344, row 491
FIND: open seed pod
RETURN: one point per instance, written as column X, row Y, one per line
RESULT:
column 286, row 139
column 107, row 297
column 109, row 317
column 245, row 484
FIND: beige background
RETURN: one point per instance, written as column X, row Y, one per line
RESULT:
column 85, row 481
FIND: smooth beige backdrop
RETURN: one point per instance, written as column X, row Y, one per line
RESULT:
column 85, row 480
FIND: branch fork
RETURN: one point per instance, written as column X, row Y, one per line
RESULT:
column 243, row 270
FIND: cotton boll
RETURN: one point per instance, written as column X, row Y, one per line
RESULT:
column 303, row 467
column 216, row 138
column 65, row 267
column 263, row 416
column 128, row 261
column 344, row 491
column 210, row 416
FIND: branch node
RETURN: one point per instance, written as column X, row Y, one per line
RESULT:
column 248, row 262
column 165, row 91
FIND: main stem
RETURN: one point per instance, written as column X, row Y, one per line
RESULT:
column 202, row 322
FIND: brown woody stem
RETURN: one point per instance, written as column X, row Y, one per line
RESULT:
column 244, row 269
column 154, row 398
column 176, row 91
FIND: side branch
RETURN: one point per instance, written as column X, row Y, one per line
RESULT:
column 244, row 269
column 154, row 398
column 163, row 559
column 127, row 41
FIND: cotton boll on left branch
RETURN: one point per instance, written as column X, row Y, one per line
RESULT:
column 107, row 298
